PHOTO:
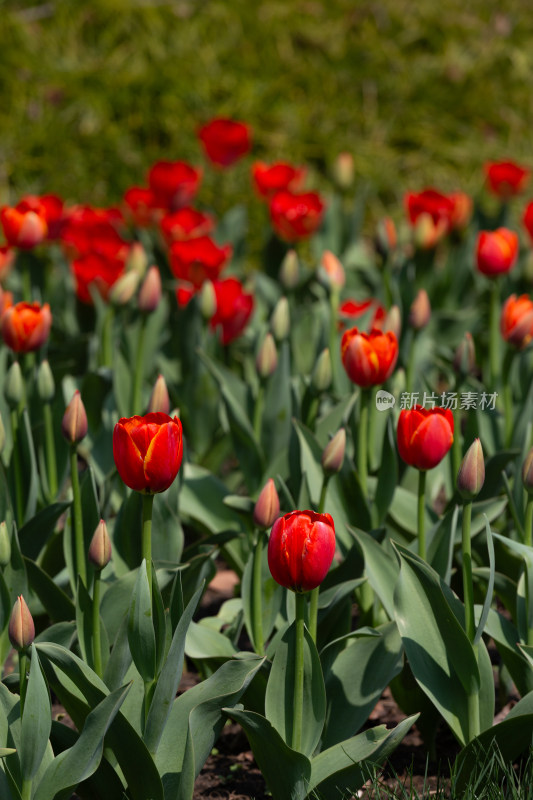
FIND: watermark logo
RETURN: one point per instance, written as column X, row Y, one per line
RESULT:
column 384, row 400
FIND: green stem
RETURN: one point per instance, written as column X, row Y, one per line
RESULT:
column 508, row 396
column 474, row 728
column 334, row 299
column 528, row 522
column 298, row 673
column 17, row 468
column 258, row 411
column 106, row 355
column 77, row 518
column 136, row 399
column 97, row 645
column 23, row 678
column 410, row 363
column 421, row 527
column 468, row 587
column 148, row 502
column 257, row 595
column 26, row 788
column 494, row 342
column 149, row 688
column 456, row 445
column 362, row 441
column 49, row 441
column 313, row 601
column 312, row 411
column 26, row 281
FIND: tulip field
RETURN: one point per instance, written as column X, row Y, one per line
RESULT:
column 345, row 429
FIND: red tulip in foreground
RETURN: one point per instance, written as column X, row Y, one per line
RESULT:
column 496, row 251
column 424, row 436
column 369, row 358
column 516, row 324
column 225, row 141
column 26, row 326
column 300, row 549
column 148, row 451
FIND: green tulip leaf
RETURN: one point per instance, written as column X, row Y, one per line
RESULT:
column 36, row 720
column 84, row 626
column 57, row 603
column 271, row 595
column 141, row 634
column 388, row 472
column 204, row 642
column 277, row 415
column 381, row 568
column 35, row 533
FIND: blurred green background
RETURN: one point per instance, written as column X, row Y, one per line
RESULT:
column 91, row 93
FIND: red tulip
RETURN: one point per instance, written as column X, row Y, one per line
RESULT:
column 173, row 183
column 94, row 269
column 506, row 178
column 300, row 549
column 186, row 223
column 351, row 310
column 462, row 210
column 438, row 206
column 424, row 436
column 184, row 293
column 369, row 358
column 23, row 228
column 198, row 260
column 516, row 322
column 6, row 300
column 296, row 216
column 277, row 177
column 26, row 326
column 140, row 201
column 148, row 451
column 527, row 219
column 7, row 258
column 496, row 251
column 233, row 310
column 225, row 141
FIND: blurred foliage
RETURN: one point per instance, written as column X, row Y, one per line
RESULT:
column 92, row 93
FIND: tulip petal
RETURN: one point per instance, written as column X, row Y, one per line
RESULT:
column 163, row 458
column 128, row 459
column 431, row 441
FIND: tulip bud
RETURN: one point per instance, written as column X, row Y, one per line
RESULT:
column 300, row 549
column 393, row 322
column 266, row 510
column 331, row 272
column 5, row 545
column 100, row 547
column 420, row 312
column 386, row 238
column 124, row 288
column 321, row 377
column 150, row 291
column 21, row 627
column 527, row 472
column 344, row 170
column 333, row 454
column 137, row 260
column 289, row 273
column 74, row 425
column 471, row 475
column 464, row 360
column 428, row 233
column 280, row 320
column 45, row 382
column 2, row 434
column 208, row 300
column 267, row 357
column 159, row 399
column 14, row 385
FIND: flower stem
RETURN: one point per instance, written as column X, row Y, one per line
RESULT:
column 313, row 600
column 494, row 342
column 258, row 411
column 421, row 527
column 26, row 788
column 528, row 522
column 508, row 396
column 334, row 300
column 51, row 463
column 97, row 645
column 362, row 441
column 17, row 468
column 410, row 364
column 456, row 445
column 136, row 399
column 257, row 594
column 298, row 672
column 148, row 502
column 106, row 353
column 77, row 518
column 23, row 679
column 470, row 625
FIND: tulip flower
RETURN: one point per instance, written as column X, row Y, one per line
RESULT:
column 173, row 184
column 7, row 259
column 385, row 237
column 151, row 291
column 496, row 251
column 432, row 203
column 369, row 358
column 148, row 451
column 300, row 549
column 233, row 309
column 277, row 177
column 225, row 141
column 186, row 223
column 139, row 205
column 197, row 260
column 506, row 178
column 516, row 323
column 296, row 216
column 23, row 228
column 25, row 326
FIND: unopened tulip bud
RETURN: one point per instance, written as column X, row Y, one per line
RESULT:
column 5, row 545
column 321, row 377
column 266, row 510
column 471, row 475
column 137, row 260
column 420, row 312
column 331, row 272
column 74, row 425
column 2, row 435
column 333, row 454
column 344, row 170
column 159, row 399
column 289, row 273
column 150, row 291
column 527, row 472
column 100, row 547
column 393, row 322
column 267, row 357
column 124, row 288
column 386, row 237
column 280, row 320
column 14, row 385
column 428, row 233
column 45, row 382
column 464, row 360
column 207, row 300
column 21, row 627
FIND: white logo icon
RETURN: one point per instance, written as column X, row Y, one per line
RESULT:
column 384, row 400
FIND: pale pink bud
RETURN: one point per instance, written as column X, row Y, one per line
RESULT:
column 331, row 271
column 393, row 322
column 471, row 475
column 74, row 425
column 344, row 170
column 21, row 626
column 420, row 312
column 150, row 291
column 266, row 509
column 333, row 454
column 159, row 399
column 267, row 357
column 100, row 547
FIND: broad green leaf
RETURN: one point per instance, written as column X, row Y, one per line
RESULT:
column 490, row 587
column 127, row 531
column 388, row 473
column 286, row 772
column 279, row 698
column 57, row 603
column 276, row 423
column 204, row 642
column 120, row 658
column 84, row 627
column 36, row 532
column 202, row 501
column 271, row 595
column 36, row 720
column 29, row 465
column 141, row 634
column 506, row 637
column 381, row 569
column 403, row 511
